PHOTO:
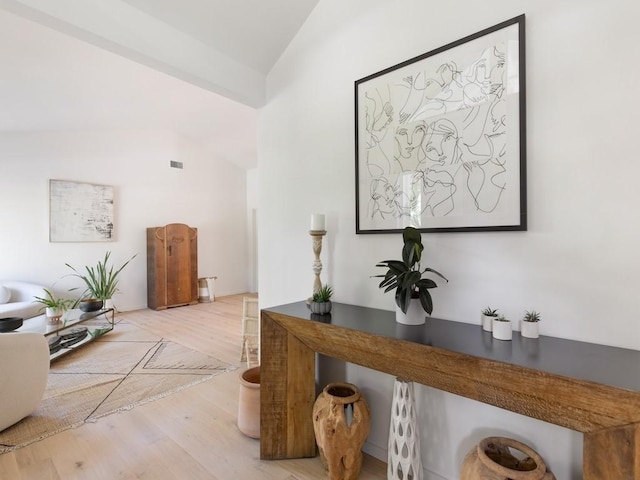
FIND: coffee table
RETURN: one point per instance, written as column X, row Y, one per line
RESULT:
column 97, row 323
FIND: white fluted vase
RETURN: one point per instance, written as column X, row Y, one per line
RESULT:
column 404, row 460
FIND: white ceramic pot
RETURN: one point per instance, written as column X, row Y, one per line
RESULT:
column 415, row 314
column 529, row 329
column 53, row 312
column 502, row 330
column 487, row 322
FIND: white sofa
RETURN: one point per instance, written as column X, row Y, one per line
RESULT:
column 20, row 302
column 24, row 357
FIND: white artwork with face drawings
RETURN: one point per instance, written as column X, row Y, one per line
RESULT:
column 438, row 139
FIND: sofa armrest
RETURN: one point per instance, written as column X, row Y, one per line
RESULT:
column 23, row 291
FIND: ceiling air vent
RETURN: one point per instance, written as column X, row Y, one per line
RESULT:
column 176, row 164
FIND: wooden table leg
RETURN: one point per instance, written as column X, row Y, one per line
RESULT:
column 612, row 454
column 287, row 394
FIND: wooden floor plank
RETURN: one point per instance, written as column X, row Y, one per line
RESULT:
column 189, row 434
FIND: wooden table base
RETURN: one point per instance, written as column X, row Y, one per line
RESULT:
column 509, row 375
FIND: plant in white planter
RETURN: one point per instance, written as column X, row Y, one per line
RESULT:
column 502, row 328
column 321, row 300
column 405, row 277
column 529, row 326
column 486, row 317
column 54, row 307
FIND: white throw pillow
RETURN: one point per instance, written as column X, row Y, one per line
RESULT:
column 5, row 294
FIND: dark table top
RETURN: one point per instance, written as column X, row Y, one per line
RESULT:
column 612, row 366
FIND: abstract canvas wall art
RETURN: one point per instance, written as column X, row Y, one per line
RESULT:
column 80, row 212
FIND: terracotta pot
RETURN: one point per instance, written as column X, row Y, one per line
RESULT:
column 341, row 425
column 249, row 402
column 491, row 459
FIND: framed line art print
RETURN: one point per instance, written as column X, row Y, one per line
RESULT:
column 441, row 138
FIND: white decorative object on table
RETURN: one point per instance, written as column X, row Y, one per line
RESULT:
column 502, row 328
column 415, row 314
column 318, row 225
column 486, row 318
column 529, row 325
column 404, row 458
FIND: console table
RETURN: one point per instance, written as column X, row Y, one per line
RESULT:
column 590, row 388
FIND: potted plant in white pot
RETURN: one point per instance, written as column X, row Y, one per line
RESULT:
column 54, row 307
column 101, row 281
column 405, row 277
column 502, row 328
column 486, row 317
column 321, row 300
column 529, row 326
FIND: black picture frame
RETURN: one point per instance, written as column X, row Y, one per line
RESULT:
column 440, row 139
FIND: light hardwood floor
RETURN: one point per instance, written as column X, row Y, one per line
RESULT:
column 191, row 434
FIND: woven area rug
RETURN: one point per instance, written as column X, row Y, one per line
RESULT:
column 124, row 368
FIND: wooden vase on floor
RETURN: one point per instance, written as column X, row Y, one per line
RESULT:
column 341, row 422
column 491, row 459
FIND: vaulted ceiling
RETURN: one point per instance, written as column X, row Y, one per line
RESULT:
column 194, row 66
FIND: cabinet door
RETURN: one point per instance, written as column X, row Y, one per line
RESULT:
column 181, row 248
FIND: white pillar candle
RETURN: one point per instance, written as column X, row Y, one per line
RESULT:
column 317, row 222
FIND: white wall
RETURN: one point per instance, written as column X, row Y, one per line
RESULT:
column 252, row 228
column 578, row 261
column 208, row 194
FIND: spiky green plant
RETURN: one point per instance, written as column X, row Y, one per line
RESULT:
column 323, row 294
column 101, row 281
column 531, row 316
column 490, row 312
column 51, row 301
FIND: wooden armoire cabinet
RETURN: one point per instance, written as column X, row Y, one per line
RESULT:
column 172, row 266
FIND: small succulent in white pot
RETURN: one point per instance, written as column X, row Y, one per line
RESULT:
column 321, row 300
column 502, row 329
column 529, row 326
column 487, row 316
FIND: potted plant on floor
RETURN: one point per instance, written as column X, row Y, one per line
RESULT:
column 529, row 325
column 487, row 316
column 502, row 328
column 54, row 307
column 321, row 300
column 405, row 277
column 101, row 281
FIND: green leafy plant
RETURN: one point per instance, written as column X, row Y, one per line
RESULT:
column 51, row 301
column 101, row 281
column 531, row 316
column 490, row 312
column 501, row 318
column 323, row 295
column 405, row 276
